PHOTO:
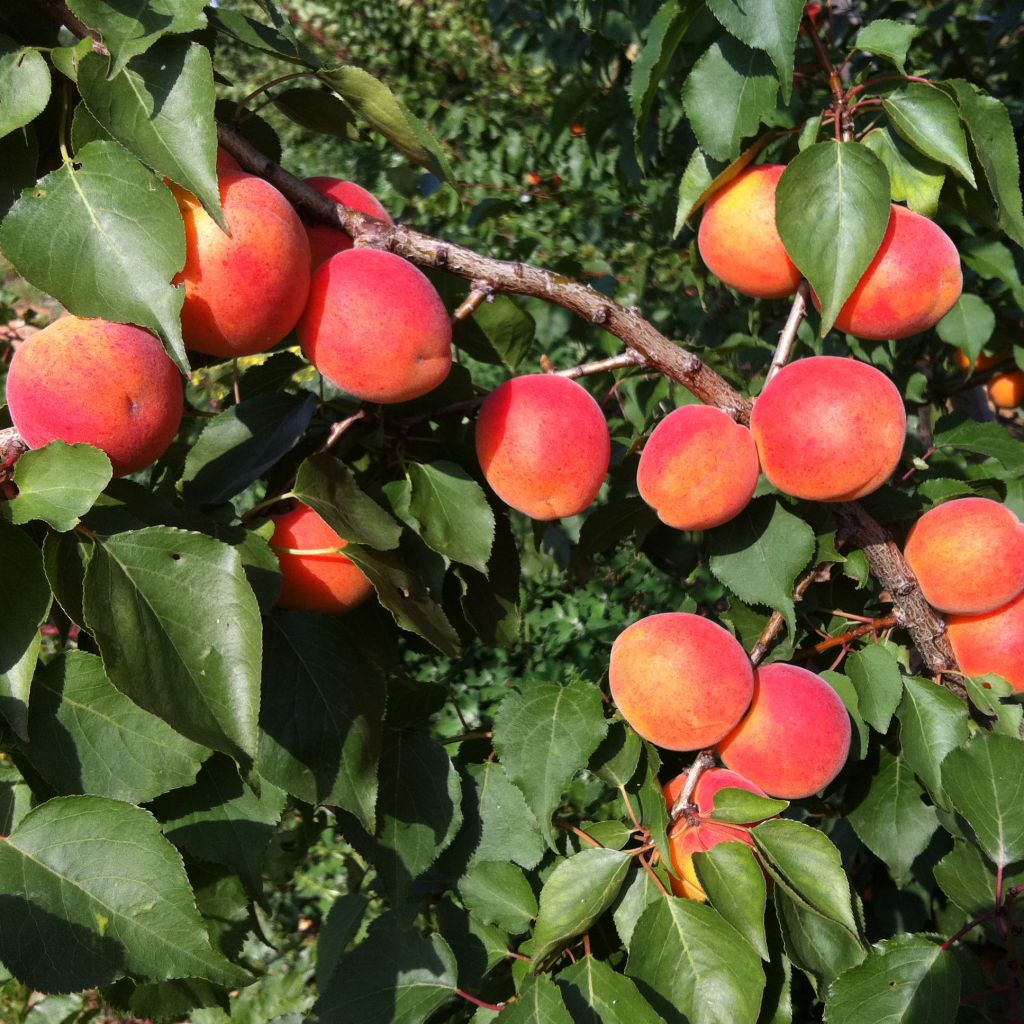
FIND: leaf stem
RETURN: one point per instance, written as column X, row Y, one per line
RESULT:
column 684, row 805
column 264, row 87
column 496, row 1007
column 787, row 338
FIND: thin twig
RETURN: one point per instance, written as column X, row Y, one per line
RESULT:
column 874, row 626
column 619, row 362
column 774, row 626
column 684, row 805
column 784, row 349
column 339, row 428
column 477, row 734
column 480, row 292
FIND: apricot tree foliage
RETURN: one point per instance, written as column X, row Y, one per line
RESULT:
column 174, row 744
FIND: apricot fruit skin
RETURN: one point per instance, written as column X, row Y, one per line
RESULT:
column 685, row 839
column 968, row 556
column 376, row 327
column 328, row 583
column 983, row 362
column 245, row 291
column 100, row 383
column 1007, row 390
column 324, row 242
column 738, row 240
column 680, row 680
column 543, row 445
column 993, row 642
column 829, row 429
column 913, row 281
column 796, row 736
column 699, row 468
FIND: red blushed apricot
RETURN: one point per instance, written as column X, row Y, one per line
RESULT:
column 795, row 738
column 327, row 581
column 244, row 291
column 829, row 429
column 375, row 326
column 1007, row 390
column 543, row 445
column 680, row 680
column 324, row 242
column 911, row 284
column 699, row 468
column 95, row 382
column 968, row 556
column 738, row 239
column 991, row 643
column 686, row 839
column 226, row 162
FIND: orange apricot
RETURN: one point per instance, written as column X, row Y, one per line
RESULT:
column 992, row 642
column 324, row 242
column 245, row 291
column 323, row 580
column 796, row 736
column 680, row 680
column 699, row 468
column 1007, row 390
column 984, row 362
column 829, row 429
column 968, row 555
column 100, row 383
column 376, row 327
column 738, row 240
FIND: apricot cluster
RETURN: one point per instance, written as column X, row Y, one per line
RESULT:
column 1005, row 390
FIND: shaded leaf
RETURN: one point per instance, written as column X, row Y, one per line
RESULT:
column 539, row 1002
column 991, row 439
column 340, row 929
column 497, row 892
column 596, row 994
column 19, row 154
column 733, row 881
column 24, row 85
column 318, row 111
column 929, row 120
column 875, row 674
column 58, row 483
column 508, row 328
column 274, row 40
column 508, row 828
column 913, row 178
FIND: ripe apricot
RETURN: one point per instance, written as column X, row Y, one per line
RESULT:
column 226, row 162
column 543, row 445
column 680, row 680
column 829, row 429
column 686, row 839
column 95, row 382
column 324, row 242
column 983, row 362
column 244, row 291
column 375, row 326
column 1007, row 390
column 738, row 239
column 795, row 738
column 911, row 284
column 968, row 555
column 699, row 468
column 992, row 642
column 325, row 581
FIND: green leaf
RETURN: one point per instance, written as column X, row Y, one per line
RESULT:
column 693, row 966
column 91, row 891
column 240, row 444
column 544, row 736
column 452, row 512
column 179, row 631
column 321, row 714
column 968, row 325
column 58, row 483
column 990, row 259
column 891, row 820
column 87, row 737
column 508, row 328
column 131, row 31
column 497, row 892
column 730, row 90
column 596, row 994
column 23, row 609
column 340, row 928
column 985, row 782
column 932, row 723
column 539, row 1002
column 929, row 120
column 376, row 104
column 160, row 107
column 889, row 39
column 969, row 880
column 741, row 807
column 19, row 154
column 875, row 674
column 913, row 178
column 575, row 895
column 615, row 760
column 991, row 439
column 276, row 41
column 635, row 896
column 103, row 236
column 65, row 558
column 908, row 978
column 24, row 85
column 317, row 111
column 768, row 25
column 734, row 883
column 508, row 829
column 759, row 554
column 831, row 209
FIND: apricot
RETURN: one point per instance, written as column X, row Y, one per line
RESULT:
column 1007, row 390
column 738, row 240
column 686, row 839
column 245, row 291
column 226, row 162
column 993, row 642
column 829, row 429
column 100, row 383
column 699, row 468
column 680, row 680
column 543, row 445
column 324, row 242
column 795, row 738
column 376, row 327
column 968, row 555
column 984, row 362
column 322, row 581
column 911, row 284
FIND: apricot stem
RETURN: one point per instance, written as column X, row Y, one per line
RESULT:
column 629, row 807
column 479, row 293
column 496, row 1007
column 685, row 806
column 340, row 428
column 619, row 362
column 788, row 336
column 645, row 864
